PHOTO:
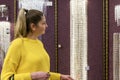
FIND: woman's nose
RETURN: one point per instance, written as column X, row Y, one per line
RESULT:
column 46, row 25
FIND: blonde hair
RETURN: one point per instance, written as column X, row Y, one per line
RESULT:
column 20, row 28
column 25, row 18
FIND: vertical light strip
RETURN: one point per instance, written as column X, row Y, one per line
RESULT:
column 78, row 39
column 118, row 62
column 116, row 56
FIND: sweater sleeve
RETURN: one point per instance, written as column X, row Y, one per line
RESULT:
column 54, row 76
column 11, row 62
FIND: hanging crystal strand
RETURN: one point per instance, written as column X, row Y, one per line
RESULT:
column 44, row 7
column 4, row 39
column 72, row 50
column 82, row 36
column 115, row 56
column 4, row 11
column 119, row 59
column 74, row 40
column 80, row 52
column 78, row 39
column 117, row 14
column 34, row 4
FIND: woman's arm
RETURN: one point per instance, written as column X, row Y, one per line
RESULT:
column 11, row 62
column 58, row 76
column 40, row 76
column 54, row 76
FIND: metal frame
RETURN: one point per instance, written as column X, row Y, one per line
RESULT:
column 56, row 32
column 106, row 39
column 15, row 10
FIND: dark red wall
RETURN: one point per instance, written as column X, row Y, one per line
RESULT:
column 95, row 51
column 63, row 36
column 48, row 38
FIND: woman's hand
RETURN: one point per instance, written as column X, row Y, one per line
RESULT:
column 40, row 76
column 66, row 77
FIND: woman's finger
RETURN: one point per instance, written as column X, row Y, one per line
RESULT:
column 48, row 74
column 71, row 78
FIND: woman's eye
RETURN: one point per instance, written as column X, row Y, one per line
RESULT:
column 44, row 23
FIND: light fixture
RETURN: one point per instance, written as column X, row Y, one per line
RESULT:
column 4, row 11
column 40, row 5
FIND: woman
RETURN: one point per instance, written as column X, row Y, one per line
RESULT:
column 26, row 58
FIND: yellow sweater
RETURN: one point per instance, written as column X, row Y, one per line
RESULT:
column 25, row 56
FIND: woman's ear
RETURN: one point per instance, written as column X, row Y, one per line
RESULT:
column 33, row 27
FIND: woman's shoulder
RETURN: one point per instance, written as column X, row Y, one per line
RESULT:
column 17, row 42
column 40, row 42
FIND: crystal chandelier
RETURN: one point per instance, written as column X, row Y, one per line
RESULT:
column 4, row 11
column 78, row 40
column 40, row 5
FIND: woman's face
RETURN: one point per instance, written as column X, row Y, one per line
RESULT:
column 40, row 28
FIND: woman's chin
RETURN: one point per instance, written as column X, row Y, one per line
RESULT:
column 43, row 32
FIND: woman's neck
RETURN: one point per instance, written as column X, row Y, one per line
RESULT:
column 32, row 36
